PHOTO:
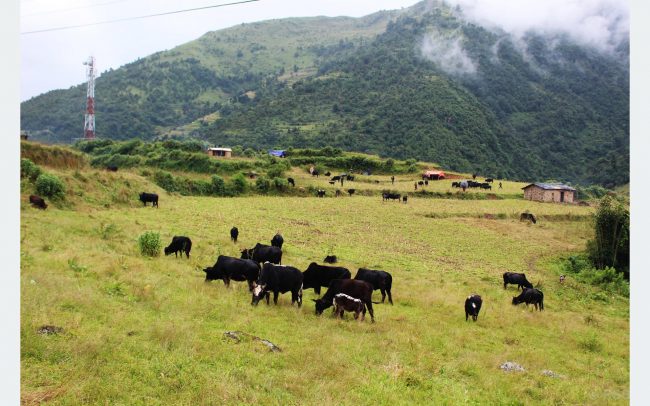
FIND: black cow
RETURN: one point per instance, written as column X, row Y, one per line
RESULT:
column 335, row 178
column 230, row 268
column 473, row 306
column 332, row 182
column 263, row 253
column 277, row 241
column 338, row 193
column 518, row 279
column 528, row 296
column 351, row 192
column 330, row 259
column 111, row 168
column 278, row 279
column 489, row 180
column 291, row 182
column 343, row 303
column 149, row 197
column 179, row 243
column 320, row 193
column 391, row 196
column 234, row 233
column 426, row 182
column 316, row 276
column 529, row 217
column 357, row 289
column 350, row 177
column 37, row 201
column 421, row 183
column 381, row 280
column 486, row 186
column 328, row 173
column 405, row 199
column 455, row 184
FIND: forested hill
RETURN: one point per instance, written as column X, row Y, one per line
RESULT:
column 418, row 83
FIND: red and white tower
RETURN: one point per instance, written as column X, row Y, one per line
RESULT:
column 89, row 121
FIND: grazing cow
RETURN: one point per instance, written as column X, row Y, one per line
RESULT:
column 320, row 193
column 455, row 184
column 381, row 280
column 263, row 253
column 357, row 289
column 562, row 277
column 350, row 178
column 230, row 268
column 330, row 259
column 328, row 173
column 405, row 199
column 473, row 306
column 316, row 276
column 278, row 279
column 486, row 186
column 351, row 192
column 343, row 303
column 376, row 181
column 392, row 196
column 234, row 233
column 149, row 197
column 315, row 173
column 291, row 182
column 421, row 183
column 528, row 296
column 37, row 201
column 111, row 168
column 331, row 182
column 338, row 193
column 426, row 182
column 179, row 243
column 336, row 178
column 489, row 180
column 474, row 176
column 529, row 217
column 518, row 279
column 277, row 241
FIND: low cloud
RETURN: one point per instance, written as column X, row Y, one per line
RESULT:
column 447, row 53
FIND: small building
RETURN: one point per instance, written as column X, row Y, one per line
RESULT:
column 550, row 192
column 24, row 135
column 220, row 152
column 280, row 153
column 433, row 175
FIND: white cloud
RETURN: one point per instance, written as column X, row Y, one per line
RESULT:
column 447, row 53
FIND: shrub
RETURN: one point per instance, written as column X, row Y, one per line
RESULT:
column 238, row 184
column 29, row 169
column 49, row 186
column 280, row 184
column 263, row 184
column 610, row 246
column 275, row 171
column 218, row 186
column 149, row 243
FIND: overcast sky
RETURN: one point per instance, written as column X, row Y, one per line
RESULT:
column 53, row 60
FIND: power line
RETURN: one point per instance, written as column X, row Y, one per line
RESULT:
column 138, row 17
column 71, row 9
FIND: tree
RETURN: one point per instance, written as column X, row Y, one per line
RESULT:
column 611, row 244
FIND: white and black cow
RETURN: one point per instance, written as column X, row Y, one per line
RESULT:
column 179, row 243
column 473, row 306
column 518, row 279
column 230, row 268
column 381, row 280
column 530, row 296
column 357, row 289
column 278, row 279
column 263, row 253
column 343, row 303
column 316, row 276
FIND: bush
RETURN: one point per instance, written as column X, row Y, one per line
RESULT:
column 218, row 186
column 29, row 169
column 275, row 171
column 280, row 184
column 149, row 243
column 611, row 244
column 607, row 279
column 238, row 184
column 263, row 184
column 50, row 186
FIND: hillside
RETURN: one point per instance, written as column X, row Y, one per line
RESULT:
column 420, row 83
column 100, row 323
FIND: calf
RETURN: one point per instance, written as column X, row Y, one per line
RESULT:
column 473, row 306
column 149, row 197
column 518, row 279
column 405, row 199
column 381, row 280
column 234, row 233
column 291, row 182
column 230, row 268
column 351, row 192
column 263, row 253
column 528, row 296
column 179, row 243
column 343, row 302
column 37, row 201
column 278, row 279
column 357, row 289
column 330, row 259
column 277, row 241
column 529, row 217
column 316, row 276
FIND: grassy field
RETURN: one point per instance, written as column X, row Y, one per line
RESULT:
column 151, row 331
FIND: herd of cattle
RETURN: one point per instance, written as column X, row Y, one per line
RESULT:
column 261, row 267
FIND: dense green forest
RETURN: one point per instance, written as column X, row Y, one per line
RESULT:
column 384, row 84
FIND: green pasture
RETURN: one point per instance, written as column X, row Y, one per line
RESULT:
column 150, row 331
